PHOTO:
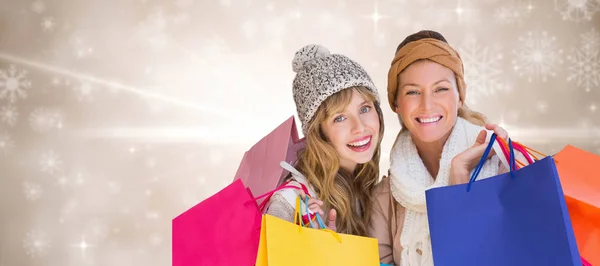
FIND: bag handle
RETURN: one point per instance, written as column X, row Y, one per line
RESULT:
column 519, row 147
column 529, row 153
column 269, row 194
column 298, row 215
column 512, row 162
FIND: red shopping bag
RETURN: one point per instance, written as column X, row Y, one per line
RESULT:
column 580, row 178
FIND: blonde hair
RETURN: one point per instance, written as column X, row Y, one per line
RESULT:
column 350, row 194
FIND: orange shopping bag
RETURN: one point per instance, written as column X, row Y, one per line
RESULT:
column 579, row 173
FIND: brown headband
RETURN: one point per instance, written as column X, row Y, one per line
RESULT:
column 430, row 49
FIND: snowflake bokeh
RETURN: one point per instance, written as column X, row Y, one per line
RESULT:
column 51, row 163
column 591, row 39
column 48, row 24
column 81, row 171
column 577, row 10
column 38, row 6
column 32, row 191
column 9, row 114
column 14, row 83
column 45, row 119
column 6, row 143
column 537, row 57
column 36, row 243
column 585, row 69
column 483, row 71
column 85, row 91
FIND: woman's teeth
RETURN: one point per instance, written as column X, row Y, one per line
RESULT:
column 360, row 143
column 429, row 120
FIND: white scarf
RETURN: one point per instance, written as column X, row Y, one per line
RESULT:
column 410, row 179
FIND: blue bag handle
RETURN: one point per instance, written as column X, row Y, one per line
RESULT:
column 512, row 163
column 319, row 220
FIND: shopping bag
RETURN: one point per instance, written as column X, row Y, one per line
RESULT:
column 222, row 230
column 516, row 218
column 580, row 178
column 290, row 244
column 259, row 169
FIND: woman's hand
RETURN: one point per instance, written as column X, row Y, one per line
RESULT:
column 463, row 163
column 315, row 206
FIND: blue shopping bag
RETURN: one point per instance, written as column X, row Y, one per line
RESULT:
column 516, row 218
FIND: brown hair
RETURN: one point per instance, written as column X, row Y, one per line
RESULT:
column 465, row 112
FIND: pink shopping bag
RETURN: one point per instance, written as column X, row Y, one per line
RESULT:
column 222, row 230
column 260, row 170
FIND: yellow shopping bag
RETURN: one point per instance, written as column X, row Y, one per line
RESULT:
column 290, row 244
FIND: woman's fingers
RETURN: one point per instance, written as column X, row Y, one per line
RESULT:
column 501, row 132
column 315, row 206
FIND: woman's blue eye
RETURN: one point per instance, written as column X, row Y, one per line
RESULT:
column 412, row 92
column 365, row 109
column 442, row 89
column 339, row 119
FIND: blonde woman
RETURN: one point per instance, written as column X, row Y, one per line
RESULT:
column 342, row 122
column 440, row 143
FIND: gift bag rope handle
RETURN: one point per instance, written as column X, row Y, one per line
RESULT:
column 519, row 147
column 298, row 215
column 513, row 166
column 270, row 193
column 528, row 152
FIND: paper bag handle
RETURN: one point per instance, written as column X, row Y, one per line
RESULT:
column 512, row 162
column 298, row 215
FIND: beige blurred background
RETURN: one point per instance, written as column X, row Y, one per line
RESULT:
column 118, row 115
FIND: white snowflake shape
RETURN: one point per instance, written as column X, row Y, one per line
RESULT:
column 48, row 24
column 13, row 83
column 9, row 115
column 51, row 163
column 84, row 91
column 32, row 191
column 45, row 119
column 585, row 68
column 538, row 56
column 6, row 143
column 591, row 39
column 38, row 7
column 36, row 244
column 577, row 10
column 483, row 71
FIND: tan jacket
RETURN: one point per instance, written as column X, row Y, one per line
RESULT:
column 387, row 220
